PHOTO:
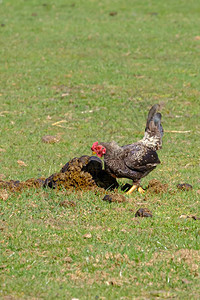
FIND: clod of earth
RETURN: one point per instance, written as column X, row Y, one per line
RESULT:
column 155, row 186
column 184, row 186
column 107, row 198
column 18, row 186
column 114, row 197
column 143, row 212
column 113, row 13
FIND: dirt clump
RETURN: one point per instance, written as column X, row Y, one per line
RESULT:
column 114, row 197
column 184, row 186
column 143, row 212
column 155, row 186
column 18, row 186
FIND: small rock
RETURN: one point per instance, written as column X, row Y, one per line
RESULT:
column 143, row 212
column 184, row 186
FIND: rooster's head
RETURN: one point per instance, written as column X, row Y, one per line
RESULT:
column 99, row 150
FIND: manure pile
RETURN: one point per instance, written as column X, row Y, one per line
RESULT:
column 83, row 173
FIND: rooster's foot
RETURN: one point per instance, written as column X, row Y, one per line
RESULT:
column 140, row 190
column 132, row 189
column 135, row 187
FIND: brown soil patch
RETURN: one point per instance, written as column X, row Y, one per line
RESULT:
column 155, row 186
column 143, row 213
column 184, row 186
column 18, row 186
column 114, row 197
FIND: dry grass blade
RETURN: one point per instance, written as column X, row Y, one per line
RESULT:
column 178, row 131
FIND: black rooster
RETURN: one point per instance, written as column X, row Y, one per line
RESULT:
column 136, row 160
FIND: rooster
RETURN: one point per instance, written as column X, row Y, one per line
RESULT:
column 136, row 160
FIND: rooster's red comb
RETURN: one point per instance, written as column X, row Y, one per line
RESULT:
column 94, row 146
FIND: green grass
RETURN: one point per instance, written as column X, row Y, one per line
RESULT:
column 71, row 61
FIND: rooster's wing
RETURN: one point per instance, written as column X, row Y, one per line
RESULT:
column 140, row 158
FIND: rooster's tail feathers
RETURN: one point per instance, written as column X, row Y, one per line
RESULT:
column 154, row 130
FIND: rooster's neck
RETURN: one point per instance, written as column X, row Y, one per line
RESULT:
column 111, row 148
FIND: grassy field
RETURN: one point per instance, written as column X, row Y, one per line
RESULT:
column 86, row 71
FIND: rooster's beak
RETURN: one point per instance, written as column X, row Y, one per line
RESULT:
column 93, row 153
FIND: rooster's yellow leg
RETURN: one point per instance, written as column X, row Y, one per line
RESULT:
column 140, row 190
column 132, row 189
